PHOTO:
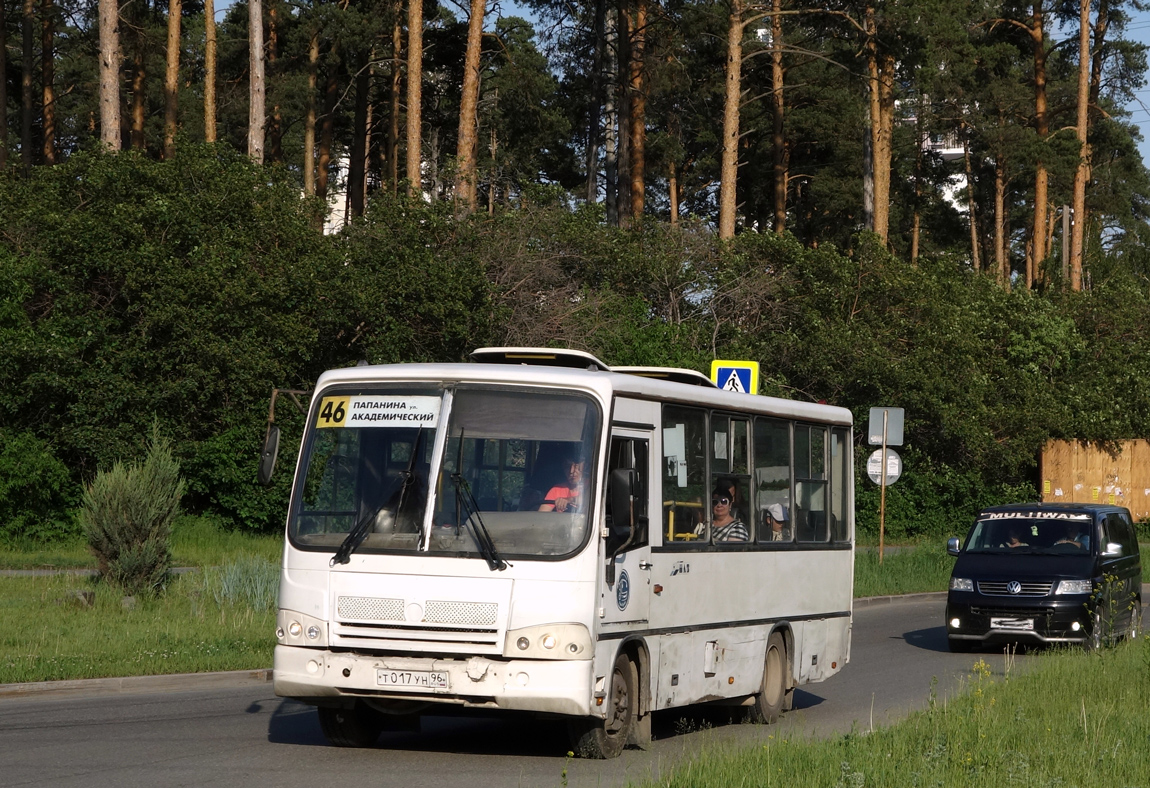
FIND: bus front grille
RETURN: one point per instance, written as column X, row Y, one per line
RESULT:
column 434, row 625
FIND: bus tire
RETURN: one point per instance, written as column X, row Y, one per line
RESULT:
column 592, row 737
column 772, row 695
column 357, row 726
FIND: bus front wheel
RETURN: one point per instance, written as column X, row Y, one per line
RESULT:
column 358, row 726
column 772, row 696
column 592, row 737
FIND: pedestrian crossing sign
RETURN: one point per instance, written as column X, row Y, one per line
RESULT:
column 741, row 377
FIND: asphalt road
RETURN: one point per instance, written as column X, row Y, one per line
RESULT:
column 247, row 736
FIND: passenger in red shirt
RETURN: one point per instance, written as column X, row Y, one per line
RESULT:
column 566, row 497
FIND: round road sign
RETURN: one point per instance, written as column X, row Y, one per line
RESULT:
column 893, row 466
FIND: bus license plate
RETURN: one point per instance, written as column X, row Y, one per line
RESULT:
column 1023, row 624
column 434, row 680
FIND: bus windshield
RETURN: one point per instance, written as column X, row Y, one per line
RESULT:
column 516, row 466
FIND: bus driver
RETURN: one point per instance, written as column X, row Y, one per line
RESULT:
column 567, row 497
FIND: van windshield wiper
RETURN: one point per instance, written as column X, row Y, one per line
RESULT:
column 363, row 527
column 465, row 500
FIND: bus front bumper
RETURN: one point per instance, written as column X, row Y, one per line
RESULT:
column 552, row 686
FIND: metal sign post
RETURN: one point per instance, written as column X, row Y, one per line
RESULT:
column 892, row 419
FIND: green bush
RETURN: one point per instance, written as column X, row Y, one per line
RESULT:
column 36, row 490
column 127, row 515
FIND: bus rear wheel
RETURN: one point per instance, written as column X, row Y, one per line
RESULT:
column 358, row 726
column 772, row 699
column 592, row 737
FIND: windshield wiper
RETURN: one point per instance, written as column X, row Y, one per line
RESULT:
column 362, row 528
column 465, row 500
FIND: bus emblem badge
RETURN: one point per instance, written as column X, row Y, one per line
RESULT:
column 623, row 590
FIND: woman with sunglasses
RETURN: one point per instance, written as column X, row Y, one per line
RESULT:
column 725, row 526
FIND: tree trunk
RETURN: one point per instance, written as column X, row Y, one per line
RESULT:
column 109, row 74
column 467, row 153
column 883, row 149
column 172, row 78
column 355, row 172
column 1001, row 272
column 275, row 128
column 139, row 76
column 595, row 102
column 209, row 71
column 4, row 83
column 27, row 110
column 623, row 138
column 975, row 256
column 1082, row 173
column 414, row 170
column 611, row 115
column 256, row 86
column 673, row 192
column 732, row 93
column 638, row 106
column 1040, row 240
column 327, row 131
column 778, row 137
column 396, row 87
column 48, row 77
column 309, row 115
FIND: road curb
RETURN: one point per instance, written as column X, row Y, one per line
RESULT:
column 869, row 601
column 126, row 685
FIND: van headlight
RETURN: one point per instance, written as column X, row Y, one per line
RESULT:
column 961, row 584
column 1074, row 587
column 549, row 641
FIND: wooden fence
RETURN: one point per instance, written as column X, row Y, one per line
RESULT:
column 1076, row 472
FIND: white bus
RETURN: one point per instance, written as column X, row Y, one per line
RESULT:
column 535, row 531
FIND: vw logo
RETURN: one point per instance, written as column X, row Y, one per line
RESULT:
column 1014, row 587
column 623, row 590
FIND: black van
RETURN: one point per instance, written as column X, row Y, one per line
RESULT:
column 1045, row 573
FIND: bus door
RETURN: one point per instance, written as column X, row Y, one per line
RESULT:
column 627, row 598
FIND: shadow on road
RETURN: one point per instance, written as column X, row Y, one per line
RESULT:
column 929, row 639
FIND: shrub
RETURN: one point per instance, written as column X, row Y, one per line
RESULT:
column 248, row 581
column 36, row 490
column 127, row 516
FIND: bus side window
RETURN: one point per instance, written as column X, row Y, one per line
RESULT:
column 685, row 518
column 772, row 480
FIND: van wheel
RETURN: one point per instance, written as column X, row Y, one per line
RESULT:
column 772, row 694
column 958, row 646
column 592, row 737
column 1135, row 620
column 358, row 726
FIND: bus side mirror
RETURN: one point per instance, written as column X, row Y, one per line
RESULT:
column 268, row 455
column 621, row 530
column 952, row 545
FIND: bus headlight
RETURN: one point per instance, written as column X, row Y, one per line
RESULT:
column 549, row 641
column 297, row 629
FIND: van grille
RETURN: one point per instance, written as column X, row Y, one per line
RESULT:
column 996, row 588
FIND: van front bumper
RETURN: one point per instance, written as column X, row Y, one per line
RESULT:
column 553, row 686
column 983, row 619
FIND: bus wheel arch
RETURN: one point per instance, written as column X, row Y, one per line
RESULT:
column 605, row 737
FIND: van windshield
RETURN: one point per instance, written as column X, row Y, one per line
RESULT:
column 1069, row 534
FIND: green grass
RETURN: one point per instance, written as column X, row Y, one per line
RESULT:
column 1075, row 719
column 218, row 619
column 916, row 569
column 196, row 541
